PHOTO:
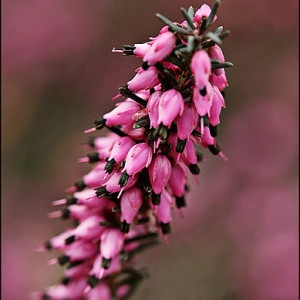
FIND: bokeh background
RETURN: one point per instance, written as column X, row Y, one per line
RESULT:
column 238, row 239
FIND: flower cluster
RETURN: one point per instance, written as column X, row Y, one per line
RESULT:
column 140, row 169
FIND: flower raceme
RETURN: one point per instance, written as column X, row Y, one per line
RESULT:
column 140, row 169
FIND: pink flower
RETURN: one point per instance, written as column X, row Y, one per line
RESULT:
column 122, row 114
column 159, row 172
column 111, row 243
column 203, row 11
column 203, row 99
column 187, row 122
column 216, row 107
column 152, row 108
column 131, row 202
column 171, row 104
column 160, row 48
column 144, row 79
column 218, row 76
column 201, row 68
column 178, row 180
column 138, row 158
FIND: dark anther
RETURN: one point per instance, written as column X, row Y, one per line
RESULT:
column 214, row 149
column 125, row 91
column 123, row 179
column 45, row 297
column 99, row 123
column 128, row 49
column 125, row 227
column 48, row 245
column 180, row 202
column 199, row 156
column 63, row 259
column 196, row 133
column 70, row 240
column 105, row 263
column 65, row 213
column 71, row 200
column 116, row 209
column 91, row 141
column 101, row 192
column 180, row 145
column 93, row 281
column 194, row 169
column 93, row 157
column 163, row 132
column 65, row 280
column 203, row 91
column 155, row 198
column 143, row 220
column 110, row 165
column 80, row 185
column 145, row 65
column 206, row 120
column 165, row 228
column 213, row 130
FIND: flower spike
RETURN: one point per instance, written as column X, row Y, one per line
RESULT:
column 139, row 172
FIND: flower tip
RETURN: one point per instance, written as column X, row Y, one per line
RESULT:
column 59, row 202
column 180, row 212
column 71, row 189
column 40, row 248
column 223, row 156
column 36, row 295
column 114, row 50
column 116, row 97
column 83, row 159
column 90, row 130
column 54, row 214
column 52, row 262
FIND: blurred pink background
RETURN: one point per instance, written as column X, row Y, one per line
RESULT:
column 239, row 235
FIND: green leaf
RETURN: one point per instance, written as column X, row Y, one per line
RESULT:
column 216, row 64
column 188, row 18
column 174, row 27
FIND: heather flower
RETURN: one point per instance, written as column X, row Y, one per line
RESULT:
column 161, row 47
column 139, row 171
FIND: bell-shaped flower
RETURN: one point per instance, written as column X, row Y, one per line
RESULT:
column 207, row 139
column 203, row 11
column 216, row 107
column 118, row 152
column 131, row 201
column 73, row 290
column 138, row 158
column 89, row 228
column 201, row 68
column 218, row 76
column 187, row 122
column 81, row 250
column 162, row 211
column 178, row 180
column 203, row 99
column 152, row 108
column 141, row 49
column 171, row 104
column 144, row 79
column 111, row 242
column 122, row 114
column 159, row 172
column 162, row 46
